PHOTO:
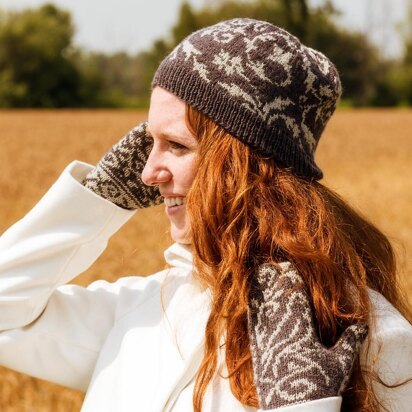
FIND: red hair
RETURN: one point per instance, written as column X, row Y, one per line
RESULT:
column 246, row 210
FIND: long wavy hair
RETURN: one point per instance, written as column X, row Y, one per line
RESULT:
column 245, row 210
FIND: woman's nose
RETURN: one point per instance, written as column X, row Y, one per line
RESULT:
column 155, row 172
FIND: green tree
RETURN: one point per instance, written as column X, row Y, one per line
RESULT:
column 394, row 86
column 187, row 23
column 36, row 69
column 124, row 79
column 297, row 17
column 406, row 72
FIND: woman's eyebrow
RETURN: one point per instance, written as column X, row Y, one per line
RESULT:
column 168, row 135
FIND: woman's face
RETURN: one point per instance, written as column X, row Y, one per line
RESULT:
column 172, row 161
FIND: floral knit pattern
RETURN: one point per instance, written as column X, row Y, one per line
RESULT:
column 117, row 176
column 258, row 82
column 290, row 364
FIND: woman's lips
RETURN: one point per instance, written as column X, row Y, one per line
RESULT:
column 174, row 210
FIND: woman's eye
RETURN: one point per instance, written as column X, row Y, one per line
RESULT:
column 177, row 146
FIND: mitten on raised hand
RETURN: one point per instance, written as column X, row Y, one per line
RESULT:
column 290, row 364
column 118, row 175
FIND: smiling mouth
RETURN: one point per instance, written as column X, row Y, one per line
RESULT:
column 174, row 201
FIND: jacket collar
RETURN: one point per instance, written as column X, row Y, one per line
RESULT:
column 179, row 255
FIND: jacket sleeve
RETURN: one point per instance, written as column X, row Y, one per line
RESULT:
column 51, row 331
column 394, row 366
column 388, row 354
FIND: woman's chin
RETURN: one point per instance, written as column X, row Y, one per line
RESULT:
column 180, row 235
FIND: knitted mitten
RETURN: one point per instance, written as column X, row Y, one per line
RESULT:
column 117, row 176
column 290, row 364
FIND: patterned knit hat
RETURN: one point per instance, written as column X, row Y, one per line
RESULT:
column 259, row 83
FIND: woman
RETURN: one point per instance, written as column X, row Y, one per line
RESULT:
column 273, row 283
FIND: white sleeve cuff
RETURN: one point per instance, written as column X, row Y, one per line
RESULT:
column 332, row 404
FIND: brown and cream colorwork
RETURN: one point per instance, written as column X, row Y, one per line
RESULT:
column 290, row 363
column 261, row 84
column 117, row 176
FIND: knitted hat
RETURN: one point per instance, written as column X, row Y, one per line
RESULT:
column 259, row 83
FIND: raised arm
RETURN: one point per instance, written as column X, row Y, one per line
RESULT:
column 49, row 329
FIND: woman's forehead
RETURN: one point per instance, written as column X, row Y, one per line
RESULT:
column 167, row 116
column 163, row 100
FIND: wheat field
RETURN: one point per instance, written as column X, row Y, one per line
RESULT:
column 365, row 155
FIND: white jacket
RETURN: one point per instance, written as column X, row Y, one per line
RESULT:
column 136, row 344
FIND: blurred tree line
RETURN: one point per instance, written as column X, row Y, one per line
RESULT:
column 40, row 67
column 38, row 64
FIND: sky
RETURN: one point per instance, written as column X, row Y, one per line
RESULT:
column 132, row 25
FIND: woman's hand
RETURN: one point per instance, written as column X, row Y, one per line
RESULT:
column 117, row 176
column 290, row 364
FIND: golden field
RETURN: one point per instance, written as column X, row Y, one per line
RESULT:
column 366, row 156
